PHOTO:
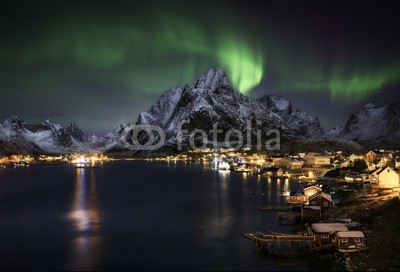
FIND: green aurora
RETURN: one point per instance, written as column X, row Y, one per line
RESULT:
column 141, row 49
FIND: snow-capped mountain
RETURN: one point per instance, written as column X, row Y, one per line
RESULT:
column 300, row 123
column 111, row 140
column 213, row 101
column 210, row 102
column 19, row 136
column 374, row 126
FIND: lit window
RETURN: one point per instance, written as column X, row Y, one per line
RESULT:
column 357, row 240
column 344, row 240
column 324, row 235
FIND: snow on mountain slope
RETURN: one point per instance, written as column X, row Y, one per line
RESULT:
column 374, row 126
column 44, row 138
column 213, row 101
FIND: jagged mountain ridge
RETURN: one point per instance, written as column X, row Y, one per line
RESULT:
column 373, row 126
column 18, row 136
column 212, row 100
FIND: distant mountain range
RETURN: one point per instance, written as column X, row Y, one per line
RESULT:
column 211, row 101
column 372, row 126
column 20, row 137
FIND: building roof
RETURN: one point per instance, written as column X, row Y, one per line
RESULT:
column 322, row 194
column 328, row 227
column 342, row 161
column 309, row 187
column 290, row 160
column 350, row 234
column 383, row 169
column 376, row 171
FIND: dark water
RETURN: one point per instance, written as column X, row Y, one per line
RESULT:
column 137, row 215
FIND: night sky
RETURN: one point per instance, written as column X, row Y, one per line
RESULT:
column 99, row 63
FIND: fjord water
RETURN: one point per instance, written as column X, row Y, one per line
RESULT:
column 137, row 215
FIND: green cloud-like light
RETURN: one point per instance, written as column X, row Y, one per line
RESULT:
column 149, row 58
column 242, row 63
column 358, row 85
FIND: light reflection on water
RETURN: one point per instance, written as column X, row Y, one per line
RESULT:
column 86, row 220
column 138, row 215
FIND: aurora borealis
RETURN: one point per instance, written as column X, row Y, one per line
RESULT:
column 100, row 63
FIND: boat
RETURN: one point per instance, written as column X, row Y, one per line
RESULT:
column 85, row 163
column 223, row 166
column 353, row 248
column 20, row 164
column 243, row 167
column 285, row 193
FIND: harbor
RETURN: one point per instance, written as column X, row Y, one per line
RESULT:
column 295, row 199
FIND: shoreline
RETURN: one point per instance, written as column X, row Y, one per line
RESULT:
column 379, row 220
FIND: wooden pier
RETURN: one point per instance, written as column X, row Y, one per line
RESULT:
column 275, row 243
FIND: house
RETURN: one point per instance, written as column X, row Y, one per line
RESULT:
column 341, row 164
column 276, row 158
column 385, row 177
column 350, row 241
column 397, row 163
column 296, row 198
column 309, row 212
column 371, row 156
column 321, row 199
column 376, row 164
column 311, row 190
column 272, row 172
column 325, row 233
column 288, row 163
column 317, row 160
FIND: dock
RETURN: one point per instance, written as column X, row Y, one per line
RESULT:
column 275, row 243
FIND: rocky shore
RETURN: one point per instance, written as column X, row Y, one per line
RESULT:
column 379, row 219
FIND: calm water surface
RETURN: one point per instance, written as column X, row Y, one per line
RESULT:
column 137, row 215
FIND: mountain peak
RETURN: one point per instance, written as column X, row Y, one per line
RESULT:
column 72, row 126
column 53, row 125
column 13, row 119
column 212, row 79
column 370, row 106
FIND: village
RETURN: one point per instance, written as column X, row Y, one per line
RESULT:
column 329, row 182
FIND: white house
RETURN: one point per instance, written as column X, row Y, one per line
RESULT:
column 341, row 164
column 397, row 163
column 316, row 159
column 289, row 163
column 311, row 190
column 385, row 177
